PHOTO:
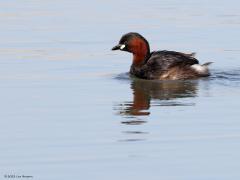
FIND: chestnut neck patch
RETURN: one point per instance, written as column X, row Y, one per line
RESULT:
column 140, row 49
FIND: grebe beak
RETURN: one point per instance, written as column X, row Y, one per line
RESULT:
column 119, row 46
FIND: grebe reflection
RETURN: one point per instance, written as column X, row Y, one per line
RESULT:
column 156, row 93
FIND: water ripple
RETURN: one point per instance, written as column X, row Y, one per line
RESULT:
column 150, row 93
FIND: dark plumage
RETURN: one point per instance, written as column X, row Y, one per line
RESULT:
column 159, row 64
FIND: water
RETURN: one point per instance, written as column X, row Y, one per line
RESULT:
column 69, row 110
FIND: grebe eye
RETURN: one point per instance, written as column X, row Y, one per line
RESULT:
column 122, row 46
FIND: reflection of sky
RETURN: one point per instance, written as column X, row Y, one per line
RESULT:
column 186, row 26
column 60, row 99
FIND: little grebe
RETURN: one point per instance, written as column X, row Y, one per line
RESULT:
column 162, row 65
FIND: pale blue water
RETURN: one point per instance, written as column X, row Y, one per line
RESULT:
column 70, row 111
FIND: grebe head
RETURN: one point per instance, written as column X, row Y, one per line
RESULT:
column 136, row 44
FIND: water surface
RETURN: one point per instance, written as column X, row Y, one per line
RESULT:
column 69, row 109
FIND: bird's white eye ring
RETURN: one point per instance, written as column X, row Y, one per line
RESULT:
column 122, row 46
